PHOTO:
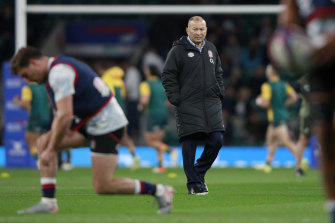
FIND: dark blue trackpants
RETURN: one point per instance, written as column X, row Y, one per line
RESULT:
column 213, row 144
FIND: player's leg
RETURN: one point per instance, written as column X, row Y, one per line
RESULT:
column 104, row 157
column 272, row 146
column 322, row 108
column 104, row 163
column 163, row 147
column 301, row 146
column 305, row 130
column 72, row 139
column 48, row 203
column 103, row 168
column 128, row 142
column 283, row 136
column 326, row 137
column 66, row 164
column 154, row 139
column 31, row 138
column 322, row 99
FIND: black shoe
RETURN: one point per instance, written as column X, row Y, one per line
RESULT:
column 299, row 173
column 197, row 191
column 203, row 183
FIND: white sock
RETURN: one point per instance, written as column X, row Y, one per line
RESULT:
column 48, row 180
column 159, row 190
column 137, row 187
column 330, row 205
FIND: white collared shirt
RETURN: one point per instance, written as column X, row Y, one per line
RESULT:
column 196, row 46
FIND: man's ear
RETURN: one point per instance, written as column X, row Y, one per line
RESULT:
column 33, row 61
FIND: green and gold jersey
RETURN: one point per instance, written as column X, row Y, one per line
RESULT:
column 276, row 91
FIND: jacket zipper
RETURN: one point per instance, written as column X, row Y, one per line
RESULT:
column 203, row 88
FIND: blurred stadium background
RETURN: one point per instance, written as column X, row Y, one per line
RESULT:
column 141, row 38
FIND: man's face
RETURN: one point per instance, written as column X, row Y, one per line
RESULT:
column 32, row 72
column 269, row 72
column 197, row 31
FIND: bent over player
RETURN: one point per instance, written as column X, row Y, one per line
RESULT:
column 86, row 111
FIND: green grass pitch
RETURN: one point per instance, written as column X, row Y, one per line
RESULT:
column 235, row 196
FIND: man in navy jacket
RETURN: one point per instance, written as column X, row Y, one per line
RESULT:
column 193, row 82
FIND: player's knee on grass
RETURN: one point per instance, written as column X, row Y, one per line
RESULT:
column 105, row 187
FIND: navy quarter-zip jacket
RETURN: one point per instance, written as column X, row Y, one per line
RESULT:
column 193, row 82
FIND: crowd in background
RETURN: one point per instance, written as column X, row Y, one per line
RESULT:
column 241, row 41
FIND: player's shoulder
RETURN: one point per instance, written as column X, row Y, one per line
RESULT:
column 178, row 48
column 60, row 67
column 61, row 72
column 265, row 85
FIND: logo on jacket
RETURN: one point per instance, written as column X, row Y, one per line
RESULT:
column 190, row 54
column 210, row 54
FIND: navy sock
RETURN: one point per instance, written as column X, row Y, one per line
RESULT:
column 147, row 188
column 48, row 187
column 48, row 190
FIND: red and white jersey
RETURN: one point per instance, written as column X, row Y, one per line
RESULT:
column 318, row 17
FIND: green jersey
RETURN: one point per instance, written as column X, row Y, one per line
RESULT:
column 157, row 110
column 119, row 97
column 40, row 115
column 278, row 99
column 276, row 91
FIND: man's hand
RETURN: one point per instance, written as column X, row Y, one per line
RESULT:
column 48, row 156
column 17, row 100
column 259, row 100
column 21, row 103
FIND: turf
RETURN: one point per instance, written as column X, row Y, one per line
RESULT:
column 235, row 196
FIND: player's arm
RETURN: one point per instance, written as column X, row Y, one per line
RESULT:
column 290, row 13
column 61, row 79
column 292, row 96
column 61, row 122
column 59, row 128
column 26, row 98
column 145, row 93
column 264, row 99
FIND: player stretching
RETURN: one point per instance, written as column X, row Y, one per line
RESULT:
column 86, row 111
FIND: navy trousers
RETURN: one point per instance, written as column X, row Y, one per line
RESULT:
column 194, row 171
